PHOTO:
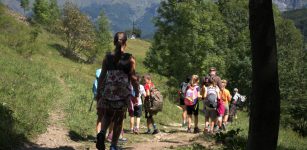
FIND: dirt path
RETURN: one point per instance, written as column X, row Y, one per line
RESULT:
column 57, row 135
column 172, row 137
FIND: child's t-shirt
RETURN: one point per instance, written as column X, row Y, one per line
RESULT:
column 225, row 96
column 142, row 92
column 148, row 86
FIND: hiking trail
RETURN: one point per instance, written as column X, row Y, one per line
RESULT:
column 57, row 135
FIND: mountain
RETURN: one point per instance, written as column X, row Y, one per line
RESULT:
column 285, row 5
column 122, row 13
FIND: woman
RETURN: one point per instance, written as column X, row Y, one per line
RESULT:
column 114, row 89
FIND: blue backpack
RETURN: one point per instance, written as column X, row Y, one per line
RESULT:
column 95, row 84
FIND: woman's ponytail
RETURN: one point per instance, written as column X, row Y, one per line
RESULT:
column 120, row 39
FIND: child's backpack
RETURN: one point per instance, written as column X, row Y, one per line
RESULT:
column 95, row 83
column 211, row 99
column 189, row 96
column 156, row 101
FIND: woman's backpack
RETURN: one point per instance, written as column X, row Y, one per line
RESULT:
column 116, row 85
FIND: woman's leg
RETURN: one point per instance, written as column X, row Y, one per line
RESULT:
column 117, row 128
column 106, row 121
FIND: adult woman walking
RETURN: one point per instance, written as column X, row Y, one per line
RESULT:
column 114, row 89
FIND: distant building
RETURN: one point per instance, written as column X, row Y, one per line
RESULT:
column 133, row 36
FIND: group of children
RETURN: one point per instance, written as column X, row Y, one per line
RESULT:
column 136, row 110
column 211, row 91
column 216, row 101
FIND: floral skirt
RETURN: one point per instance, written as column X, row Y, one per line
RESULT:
column 110, row 104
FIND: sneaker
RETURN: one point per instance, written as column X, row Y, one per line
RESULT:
column 216, row 129
column 100, row 141
column 189, row 130
column 123, row 140
column 136, row 130
column 109, row 137
column 184, row 124
column 156, row 131
column 196, row 130
column 148, row 132
column 131, row 130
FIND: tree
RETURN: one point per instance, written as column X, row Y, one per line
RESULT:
column 103, row 34
column 25, row 4
column 41, row 11
column 188, row 32
column 54, row 11
column 238, row 55
column 79, row 33
column 265, row 104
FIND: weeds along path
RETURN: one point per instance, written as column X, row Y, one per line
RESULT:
column 57, row 135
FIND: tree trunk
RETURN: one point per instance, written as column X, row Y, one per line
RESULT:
column 265, row 104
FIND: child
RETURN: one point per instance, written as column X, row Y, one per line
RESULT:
column 225, row 99
column 148, row 115
column 183, row 89
column 211, row 92
column 137, row 111
column 191, row 102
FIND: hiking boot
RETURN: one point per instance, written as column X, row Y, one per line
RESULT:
column 189, row 130
column 196, row 130
column 100, row 141
column 156, row 131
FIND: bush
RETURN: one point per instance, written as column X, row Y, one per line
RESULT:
column 231, row 139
